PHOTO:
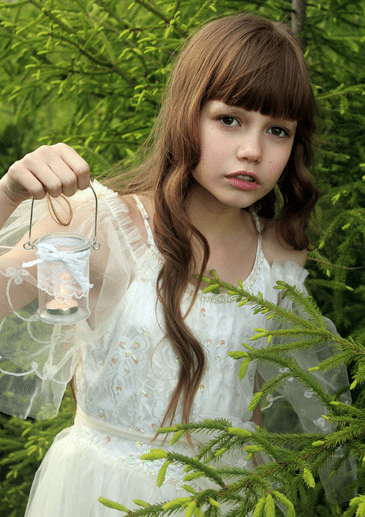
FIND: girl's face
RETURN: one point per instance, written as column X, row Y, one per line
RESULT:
column 243, row 154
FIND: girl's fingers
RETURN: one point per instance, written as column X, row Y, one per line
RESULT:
column 53, row 170
column 75, row 163
column 24, row 180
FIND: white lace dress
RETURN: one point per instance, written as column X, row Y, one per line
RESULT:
column 125, row 372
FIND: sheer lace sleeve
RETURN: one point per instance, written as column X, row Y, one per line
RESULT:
column 295, row 408
column 308, row 409
column 37, row 359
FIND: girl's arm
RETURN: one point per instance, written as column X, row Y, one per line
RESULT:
column 257, row 416
column 53, row 170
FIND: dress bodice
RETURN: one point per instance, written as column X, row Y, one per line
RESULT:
column 128, row 378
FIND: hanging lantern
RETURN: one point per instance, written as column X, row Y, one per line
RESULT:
column 62, row 274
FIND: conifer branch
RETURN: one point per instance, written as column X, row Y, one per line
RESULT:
column 350, row 90
column 202, row 8
column 91, row 53
column 154, row 9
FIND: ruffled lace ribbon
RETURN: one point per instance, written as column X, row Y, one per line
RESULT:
column 49, row 253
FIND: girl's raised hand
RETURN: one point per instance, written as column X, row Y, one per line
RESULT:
column 54, row 170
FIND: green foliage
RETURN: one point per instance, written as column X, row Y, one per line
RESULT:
column 287, row 480
column 23, row 445
column 92, row 73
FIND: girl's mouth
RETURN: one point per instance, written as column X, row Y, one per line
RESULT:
column 243, row 182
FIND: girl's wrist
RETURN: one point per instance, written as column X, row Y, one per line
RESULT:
column 7, row 204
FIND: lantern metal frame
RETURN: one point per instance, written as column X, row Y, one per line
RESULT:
column 32, row 245
column 63, row 309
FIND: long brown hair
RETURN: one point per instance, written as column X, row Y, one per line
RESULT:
column 245, row 61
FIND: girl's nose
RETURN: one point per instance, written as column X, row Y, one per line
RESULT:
column 250, row 149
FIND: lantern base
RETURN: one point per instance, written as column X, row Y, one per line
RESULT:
column 67, row 316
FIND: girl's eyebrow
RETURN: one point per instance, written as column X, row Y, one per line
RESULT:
column 290, row 124
column 287, row 121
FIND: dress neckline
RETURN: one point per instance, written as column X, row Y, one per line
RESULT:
column 217, row 298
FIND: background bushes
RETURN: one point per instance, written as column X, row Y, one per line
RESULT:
column 91, row 74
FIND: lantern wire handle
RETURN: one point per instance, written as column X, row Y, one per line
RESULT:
column 28, row 245
column 95, row 244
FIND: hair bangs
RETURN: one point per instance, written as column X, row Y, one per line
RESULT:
column 263, row 74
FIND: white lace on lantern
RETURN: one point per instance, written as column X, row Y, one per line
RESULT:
column 62, row 274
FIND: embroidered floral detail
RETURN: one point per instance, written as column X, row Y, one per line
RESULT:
column 49, row 371
column 308, row 394
column 270, row 399
column 286, row 370
column 320, row 422
column 148, row 265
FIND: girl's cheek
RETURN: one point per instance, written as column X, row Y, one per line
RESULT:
column 275, row 169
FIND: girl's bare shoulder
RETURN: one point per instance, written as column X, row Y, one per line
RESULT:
column 275, row 248
column 144, row 197
column 135, row 212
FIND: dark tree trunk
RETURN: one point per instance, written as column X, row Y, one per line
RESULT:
column 298, row 19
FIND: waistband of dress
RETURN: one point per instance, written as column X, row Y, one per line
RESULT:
column 82, row 418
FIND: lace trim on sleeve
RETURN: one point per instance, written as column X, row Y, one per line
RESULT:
column 289, row 272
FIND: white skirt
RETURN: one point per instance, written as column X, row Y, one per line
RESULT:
column 89, row 460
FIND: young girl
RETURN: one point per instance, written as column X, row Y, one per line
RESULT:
column 236, row 124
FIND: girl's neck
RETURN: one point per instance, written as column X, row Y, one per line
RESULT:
column 230, row 232
column 215, row 220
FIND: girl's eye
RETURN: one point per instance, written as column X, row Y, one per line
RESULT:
column 229, row 121
column 278, row 131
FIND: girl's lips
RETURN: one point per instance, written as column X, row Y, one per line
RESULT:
column 242, row 184
column 241, row 180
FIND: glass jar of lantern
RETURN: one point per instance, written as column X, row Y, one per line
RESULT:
column 63, row 274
